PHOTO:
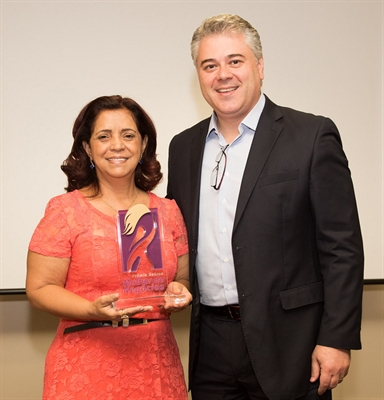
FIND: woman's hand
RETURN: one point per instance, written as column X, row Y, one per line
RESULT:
column 103, row 308
column 177, row 297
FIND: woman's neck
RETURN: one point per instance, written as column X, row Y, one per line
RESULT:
column 110, row 199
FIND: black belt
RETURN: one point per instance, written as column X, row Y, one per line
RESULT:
column 102, row 324
column 232, row 311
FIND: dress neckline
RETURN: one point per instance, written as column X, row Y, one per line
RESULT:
column 95, row 210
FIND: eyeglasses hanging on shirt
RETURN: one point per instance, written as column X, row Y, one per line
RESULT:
column 218, row 172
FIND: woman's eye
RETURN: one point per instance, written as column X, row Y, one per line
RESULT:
column 102, row 137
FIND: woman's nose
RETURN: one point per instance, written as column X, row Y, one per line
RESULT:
column 117, row 143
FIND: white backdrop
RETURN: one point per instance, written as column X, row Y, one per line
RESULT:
column 322, row 57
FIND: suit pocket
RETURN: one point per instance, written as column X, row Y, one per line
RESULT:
column 302, row 296
column 279, row 187
column 279, row 177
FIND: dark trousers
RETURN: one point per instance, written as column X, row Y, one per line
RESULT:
column 224, row 370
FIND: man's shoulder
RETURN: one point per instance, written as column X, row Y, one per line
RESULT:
column 290, row 113
column 201, row 126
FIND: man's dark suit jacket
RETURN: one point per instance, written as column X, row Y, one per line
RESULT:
column 296, row 244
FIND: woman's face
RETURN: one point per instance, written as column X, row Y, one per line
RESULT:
column 115, row 145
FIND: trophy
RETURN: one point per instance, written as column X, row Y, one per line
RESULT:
column 142, row 274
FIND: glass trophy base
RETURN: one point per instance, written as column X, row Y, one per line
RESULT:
column 154, row 301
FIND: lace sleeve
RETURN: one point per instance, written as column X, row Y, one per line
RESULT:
column 52, row 235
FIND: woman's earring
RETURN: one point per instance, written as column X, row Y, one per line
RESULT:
column 141, row 159
column 92, row 166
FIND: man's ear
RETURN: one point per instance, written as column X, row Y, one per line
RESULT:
column 260, row 66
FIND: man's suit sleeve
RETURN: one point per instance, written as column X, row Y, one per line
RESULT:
column 338, row 238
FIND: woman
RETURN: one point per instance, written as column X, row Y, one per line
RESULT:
column 74, row 259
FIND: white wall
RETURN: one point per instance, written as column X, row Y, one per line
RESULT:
column 320, row 56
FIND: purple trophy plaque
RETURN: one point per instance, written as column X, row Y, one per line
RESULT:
column 142, row 274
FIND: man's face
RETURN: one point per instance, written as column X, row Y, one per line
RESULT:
column 230, row 76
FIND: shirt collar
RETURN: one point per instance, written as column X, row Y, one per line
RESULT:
column 250, row 121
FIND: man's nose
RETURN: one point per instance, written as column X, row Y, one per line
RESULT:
column 224, row 72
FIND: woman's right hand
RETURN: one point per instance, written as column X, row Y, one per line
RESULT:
column 103, row 308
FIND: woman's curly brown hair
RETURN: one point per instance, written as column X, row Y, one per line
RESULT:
column 77, row 165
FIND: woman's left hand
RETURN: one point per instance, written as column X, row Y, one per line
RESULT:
column 178, row 297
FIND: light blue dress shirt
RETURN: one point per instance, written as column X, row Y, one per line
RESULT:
column 214, row 263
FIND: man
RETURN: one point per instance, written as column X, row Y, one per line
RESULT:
column 276, row 253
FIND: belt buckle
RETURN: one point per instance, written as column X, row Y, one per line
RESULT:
column 234, row 312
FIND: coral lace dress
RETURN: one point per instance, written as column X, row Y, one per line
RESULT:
column 135, row 362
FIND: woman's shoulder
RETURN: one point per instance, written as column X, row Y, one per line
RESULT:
column 155, row 201
column 66, row 198
column 67, row 201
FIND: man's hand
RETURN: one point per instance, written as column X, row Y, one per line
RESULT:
column 331, row 365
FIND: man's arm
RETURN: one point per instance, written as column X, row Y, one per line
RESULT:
column 340, row 250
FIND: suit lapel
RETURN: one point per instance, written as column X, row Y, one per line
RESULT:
column 197, row 151
column 268, row 130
